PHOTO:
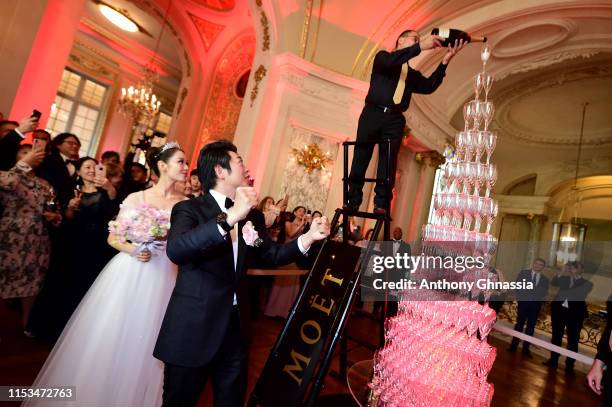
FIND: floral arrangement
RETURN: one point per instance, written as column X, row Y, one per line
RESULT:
column 144, row 225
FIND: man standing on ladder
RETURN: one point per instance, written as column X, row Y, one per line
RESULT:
column 391, row 86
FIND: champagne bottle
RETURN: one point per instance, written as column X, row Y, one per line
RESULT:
column 451, row 34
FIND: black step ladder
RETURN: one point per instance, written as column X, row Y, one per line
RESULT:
column 296, row 367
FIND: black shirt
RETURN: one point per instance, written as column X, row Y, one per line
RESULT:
column 386, row 72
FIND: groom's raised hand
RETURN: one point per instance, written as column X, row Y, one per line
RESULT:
column 245, row 200
column 319, row 230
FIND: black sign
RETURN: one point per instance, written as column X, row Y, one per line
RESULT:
column 305, row 337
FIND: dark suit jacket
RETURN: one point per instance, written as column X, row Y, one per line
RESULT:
column 200, row 307
column 539, row 291
column 575, row 295
column 53, row 169
column 9, row 145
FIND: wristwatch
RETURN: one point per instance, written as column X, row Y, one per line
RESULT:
column 222, row 221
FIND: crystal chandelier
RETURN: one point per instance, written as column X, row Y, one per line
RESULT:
column 140, row 103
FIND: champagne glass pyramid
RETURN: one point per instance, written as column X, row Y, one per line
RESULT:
column 436, row 351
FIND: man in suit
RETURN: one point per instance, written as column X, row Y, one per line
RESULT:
column 398, row 246
column 11, row 135
column 203, row 332
column 529, row 302
column 568, row 309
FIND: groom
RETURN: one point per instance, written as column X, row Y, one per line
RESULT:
column 202, row 335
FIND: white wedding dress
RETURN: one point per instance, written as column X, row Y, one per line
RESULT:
column 106, row 349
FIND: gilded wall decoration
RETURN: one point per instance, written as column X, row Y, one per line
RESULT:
column 260, row 73
column 208, row 31
column 223, row 105
column 90, row 66
column 308, row 188
column 265, row 26
column 182, row 97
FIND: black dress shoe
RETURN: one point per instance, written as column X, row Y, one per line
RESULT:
column 551, row 363
column 511, row 349
column 569, row 370
column 527, row 354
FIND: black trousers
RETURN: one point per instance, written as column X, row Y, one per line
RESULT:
column 375, row 125
column 227, row 370
column 562, row 318
column 527, row 313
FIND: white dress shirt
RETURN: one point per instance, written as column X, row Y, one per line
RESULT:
column 220, row 199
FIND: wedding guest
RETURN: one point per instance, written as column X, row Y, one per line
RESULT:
column 295, row 227
column 568, row 310
column 11, row 134
column 599, row 377
column 270, row 211
column 316, row 214
column 58, row 166
column 196, row 186
column 110, row 157
column 106, row 349
column 285, row 289
column 114, row 173
column 203, row 335
column 87, row 217
column 136, row 178
column 529, row 302
column 24, row 240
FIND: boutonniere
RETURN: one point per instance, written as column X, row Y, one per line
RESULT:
column 250, row 235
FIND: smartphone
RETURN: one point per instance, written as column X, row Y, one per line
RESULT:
column 101, row 171
column 39, row 144
column 36, row 114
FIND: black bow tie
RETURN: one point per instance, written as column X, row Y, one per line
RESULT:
column 73, row 162
column 228, row 203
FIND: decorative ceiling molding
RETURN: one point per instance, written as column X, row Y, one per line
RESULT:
column 132, row 49
column 208, row 30
column 543, row 33
column 503, row 99
column 217, row 5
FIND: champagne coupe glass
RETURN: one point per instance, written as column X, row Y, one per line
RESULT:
column 478, row 84
column 469, row 144
column 487, row 84
column 438, row 207
column 450, row 172
column 478, row 114
column 479, row 177
column 488, row 110
column 491, row 177
column 448, row 206
column 490, row 142
column 463, row 171
column 468, row 113
column 493, row 210
column 480, row 211
column 458, row 203
column 471, row 175
column 479, row 144
column 460, row 141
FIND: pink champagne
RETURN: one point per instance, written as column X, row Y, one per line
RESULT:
column 451, row 34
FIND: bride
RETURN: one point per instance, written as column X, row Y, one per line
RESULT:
column 106, row 349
